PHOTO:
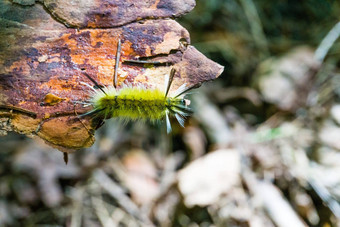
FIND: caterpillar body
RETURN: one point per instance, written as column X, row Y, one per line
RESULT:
column 139, row 103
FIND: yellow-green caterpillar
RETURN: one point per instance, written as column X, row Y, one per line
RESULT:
column 139, row 103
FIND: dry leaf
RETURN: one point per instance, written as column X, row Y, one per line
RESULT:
column 204, row 180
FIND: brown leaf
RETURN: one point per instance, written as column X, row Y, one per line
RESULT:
column 206, row 179
column 140, row 177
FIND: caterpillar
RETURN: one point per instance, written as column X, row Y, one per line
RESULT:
column 138, row 103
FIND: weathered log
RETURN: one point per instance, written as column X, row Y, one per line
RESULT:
column 43, row 62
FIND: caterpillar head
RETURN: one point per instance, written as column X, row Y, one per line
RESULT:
column 177, row 105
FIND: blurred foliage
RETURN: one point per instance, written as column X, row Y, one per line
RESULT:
column 222, row 31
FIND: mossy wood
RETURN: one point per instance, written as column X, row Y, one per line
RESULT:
column 46, row 47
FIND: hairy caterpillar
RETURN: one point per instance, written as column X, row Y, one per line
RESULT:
column 138, row 103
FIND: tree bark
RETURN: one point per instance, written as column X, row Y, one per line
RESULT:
column 43, row 59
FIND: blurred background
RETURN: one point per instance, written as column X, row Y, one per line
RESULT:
column 262, row 148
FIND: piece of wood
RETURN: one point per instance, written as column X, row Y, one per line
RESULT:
column 43, row 63
column 113, row 13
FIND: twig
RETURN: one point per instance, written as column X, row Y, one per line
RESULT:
column 275, row 204
column 117, row 192
column 102, row 213
column 323, row 193
column 322, row 50
column 214, row 122
column 77, row 209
